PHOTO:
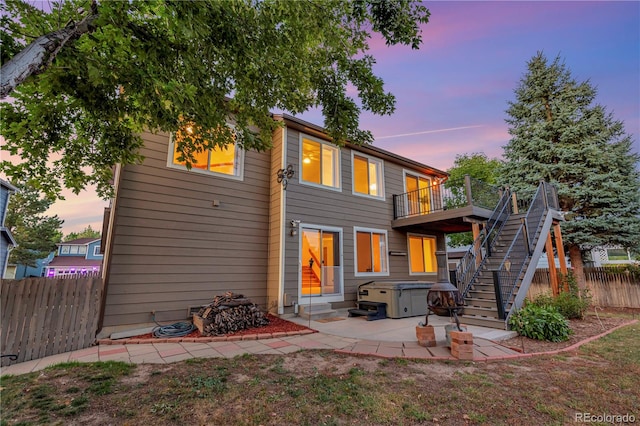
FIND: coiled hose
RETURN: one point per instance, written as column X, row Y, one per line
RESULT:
column 178, row 329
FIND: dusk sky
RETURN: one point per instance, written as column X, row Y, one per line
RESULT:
column 452, row 93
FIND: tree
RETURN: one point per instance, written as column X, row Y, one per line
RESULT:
column 560, row 135
column 94, row 78
column 478, row 166
column 87, row 232
column 35, row 233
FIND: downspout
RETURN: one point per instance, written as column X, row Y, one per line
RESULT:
column 283, row 228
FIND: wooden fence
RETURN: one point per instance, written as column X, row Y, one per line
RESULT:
column 48, row 316
column 608, row 289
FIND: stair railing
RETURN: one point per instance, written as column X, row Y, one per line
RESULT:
column 471, row 263
column 508, row 275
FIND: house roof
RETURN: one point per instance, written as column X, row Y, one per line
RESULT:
column 379, row 152
column 73, row 261
column 8, row 185
column 6, row 234
column 79, row 241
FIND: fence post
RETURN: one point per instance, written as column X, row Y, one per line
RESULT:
column 467, row 188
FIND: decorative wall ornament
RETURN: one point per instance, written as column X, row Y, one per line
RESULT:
column 284, row 175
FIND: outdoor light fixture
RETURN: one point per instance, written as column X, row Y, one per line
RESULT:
column 284, row 175
column 294, row 227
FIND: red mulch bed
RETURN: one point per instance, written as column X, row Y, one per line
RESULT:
column 276, row 324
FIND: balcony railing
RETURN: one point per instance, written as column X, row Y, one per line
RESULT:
column 442, row 196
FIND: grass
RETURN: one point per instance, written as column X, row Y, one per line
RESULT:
column 326, row 388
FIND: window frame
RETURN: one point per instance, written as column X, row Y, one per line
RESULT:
column 422, row 236
column 370, row 160
column 338, row 165
column 239, row 157
column 96, row 251
column 370, row 231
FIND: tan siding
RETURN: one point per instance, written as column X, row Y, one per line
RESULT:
column 172, row 249
column 344, row 210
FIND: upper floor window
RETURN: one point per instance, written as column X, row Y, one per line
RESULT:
column 368, row 175
column 226, row 160
column 371, row 252
column 422, row 254
column 96, row 251
column 320, row 163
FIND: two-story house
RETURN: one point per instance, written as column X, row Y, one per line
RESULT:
column 6, row 239
column 303, row 223
column 76, row 257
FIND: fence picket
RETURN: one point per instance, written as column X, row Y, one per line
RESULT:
column 45, row 316
column 607, row 289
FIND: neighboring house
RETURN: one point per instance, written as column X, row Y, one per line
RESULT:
column 76, row 257
column 610, row 255
column 7, row 242
column 348, row 215
column 39, row 270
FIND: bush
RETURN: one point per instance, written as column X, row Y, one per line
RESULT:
column 541, row 323
column 571, row 304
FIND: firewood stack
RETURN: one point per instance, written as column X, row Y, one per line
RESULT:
column 228, row 314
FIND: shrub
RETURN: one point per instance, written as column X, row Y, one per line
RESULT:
column 541, row 323
column 571, row 304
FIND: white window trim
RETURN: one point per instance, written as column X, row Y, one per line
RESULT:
column 320, row 299
column 357, row 229
column 240, row 155
column 370, row 158
column 406, row 172
column 338, row 163
column 409, row 255
column 96, row 251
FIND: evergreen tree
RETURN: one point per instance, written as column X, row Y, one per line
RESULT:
column 561, row 136
column 478, row 166
column 36, row 234
column 87, row 232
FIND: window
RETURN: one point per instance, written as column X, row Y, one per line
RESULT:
column 96, row 251
column 226, row 161
column 82, row 249
column 617, row 254
column 371, row 252
column 73, row 250
column 64, row 250
column 418, row 194
column 368, row 176
column 320, row 163
column 422, row 254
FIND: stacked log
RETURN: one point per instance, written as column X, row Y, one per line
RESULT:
column 230, row 313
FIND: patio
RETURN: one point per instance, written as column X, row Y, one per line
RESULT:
column 392, row 330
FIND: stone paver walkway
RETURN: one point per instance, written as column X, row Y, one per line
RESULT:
column 164, row 352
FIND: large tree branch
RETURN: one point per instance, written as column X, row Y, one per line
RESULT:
column 38, row 55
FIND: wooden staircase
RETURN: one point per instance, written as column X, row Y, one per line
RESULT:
column 481, row 306
column 522, row 239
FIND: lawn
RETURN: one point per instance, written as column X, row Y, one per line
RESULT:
column 326, row 388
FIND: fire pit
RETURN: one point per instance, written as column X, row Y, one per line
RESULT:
column 443, row 298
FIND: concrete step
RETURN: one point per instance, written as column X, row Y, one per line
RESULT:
column 316, row 311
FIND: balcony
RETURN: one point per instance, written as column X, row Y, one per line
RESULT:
column 440, row 207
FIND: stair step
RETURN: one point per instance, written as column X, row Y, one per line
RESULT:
column 484, row 303
column 481, row 312
column 484, row 322
column 317, row 311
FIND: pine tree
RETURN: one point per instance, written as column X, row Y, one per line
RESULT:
column 35, row 233
column 560, row 135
